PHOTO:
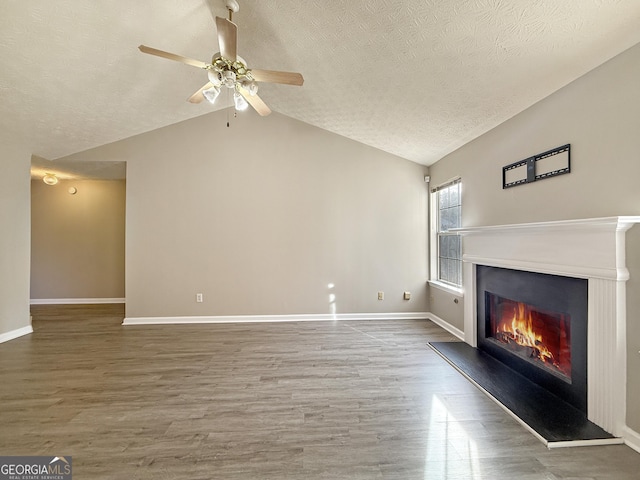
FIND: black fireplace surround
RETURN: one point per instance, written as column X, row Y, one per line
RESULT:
column 566, row 299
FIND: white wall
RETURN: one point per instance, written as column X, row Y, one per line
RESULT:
column 14, row 239
column 77, row 241
column 599, row 115
column 263, row 216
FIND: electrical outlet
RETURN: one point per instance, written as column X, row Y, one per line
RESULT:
column 199, row 298
column 407, row 295
column 380, row 295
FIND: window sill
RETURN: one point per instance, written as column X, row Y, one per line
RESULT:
column 458, row 292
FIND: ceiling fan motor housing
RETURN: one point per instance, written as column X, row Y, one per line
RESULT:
column 224, row 72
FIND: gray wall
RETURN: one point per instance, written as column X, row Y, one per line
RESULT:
column 263, row 216
column 77, row 241
column 599, row 115
column 14, row 238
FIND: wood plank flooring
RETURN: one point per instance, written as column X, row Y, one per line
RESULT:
column 304, row 400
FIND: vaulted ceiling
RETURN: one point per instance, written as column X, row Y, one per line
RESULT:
column 416, row 78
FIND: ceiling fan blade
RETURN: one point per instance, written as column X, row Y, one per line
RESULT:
column 172, row 56
column 271, row 76
column 227, row 38
column 256, row 102
column 198, row 97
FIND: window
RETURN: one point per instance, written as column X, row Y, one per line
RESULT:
column 447, row 201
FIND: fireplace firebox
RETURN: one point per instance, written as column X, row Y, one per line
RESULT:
column 536, row 324
column 540, row 337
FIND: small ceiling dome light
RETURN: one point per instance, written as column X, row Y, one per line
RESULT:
column 240, row 102
column 50, row 179
column 211, row 94
column 72, row 190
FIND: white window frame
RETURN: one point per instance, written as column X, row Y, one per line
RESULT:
column 435, row 278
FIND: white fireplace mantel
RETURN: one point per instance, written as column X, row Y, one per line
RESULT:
column 593, row 249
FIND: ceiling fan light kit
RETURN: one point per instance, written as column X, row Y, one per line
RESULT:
column 229, row 78
column 229, row 69
column 211, row 94
column 239, row 102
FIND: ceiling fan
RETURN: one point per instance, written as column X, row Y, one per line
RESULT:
column 228, row 69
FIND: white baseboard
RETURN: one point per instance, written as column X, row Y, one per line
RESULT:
column 275, row 318
column 74, row 301
column 631, row 438
column 5, row 337
column 447, row 326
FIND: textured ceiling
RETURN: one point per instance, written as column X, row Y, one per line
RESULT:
column 416, row 78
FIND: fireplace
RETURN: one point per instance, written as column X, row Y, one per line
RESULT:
column 537, row 325
column 591, row 250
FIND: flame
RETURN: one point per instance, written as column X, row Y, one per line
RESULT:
column 521, row 331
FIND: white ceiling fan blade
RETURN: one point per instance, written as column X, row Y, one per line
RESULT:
column 227, row 38
column 198, row 97
column 172, row 56
column 256, row 102
column 272, row 76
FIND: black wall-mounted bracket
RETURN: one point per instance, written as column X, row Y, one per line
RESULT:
column 544, row 165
